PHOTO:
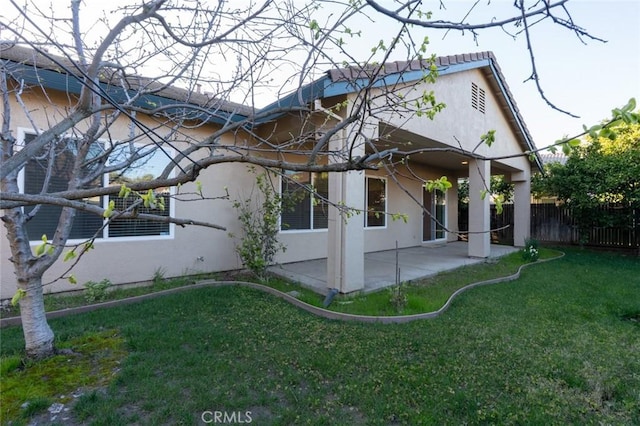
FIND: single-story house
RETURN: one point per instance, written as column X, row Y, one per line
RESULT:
column 477, row 99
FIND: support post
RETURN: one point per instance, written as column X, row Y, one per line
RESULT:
column 479, row 208
column 521, row 207
column 345, row 248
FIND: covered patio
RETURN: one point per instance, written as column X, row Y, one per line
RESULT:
column 380, row 266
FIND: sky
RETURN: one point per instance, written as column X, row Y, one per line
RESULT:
column 588, row 78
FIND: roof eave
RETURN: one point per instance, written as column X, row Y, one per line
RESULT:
column 70, row 83
column 497, row 74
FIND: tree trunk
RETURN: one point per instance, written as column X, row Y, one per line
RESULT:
column 38, row 335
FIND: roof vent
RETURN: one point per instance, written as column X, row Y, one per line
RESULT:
column 477, row 98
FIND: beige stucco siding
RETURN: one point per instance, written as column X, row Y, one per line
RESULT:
column 194, row 249
column 459, row 123
column 135, row 259
column 407, row 234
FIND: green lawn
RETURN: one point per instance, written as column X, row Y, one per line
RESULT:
column 431, row 293
column 558, row 346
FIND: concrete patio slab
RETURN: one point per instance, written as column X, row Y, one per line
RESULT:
column 380, row 267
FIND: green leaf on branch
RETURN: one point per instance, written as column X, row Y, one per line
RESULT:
column 19, row 295
column 489, row 138
column 109, row 210
column 442, row 184
column 608, row 133
column 71, row 254
column 124, row 191
column 149, row 199
column 41, row 248
column 87, row 246
column 630, row 106
column 403, row 216
column 72, row 279
column 499, row 200
column 593, row 131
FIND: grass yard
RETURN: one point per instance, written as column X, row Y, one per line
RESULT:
column 558, row 346
column 431, row 293
column 54, row 302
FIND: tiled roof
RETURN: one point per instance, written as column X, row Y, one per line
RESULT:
column 65, row 66
column 367, row 71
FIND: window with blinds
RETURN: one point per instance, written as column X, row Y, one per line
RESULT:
column 50, row 171
column 148, row 167
column 303, row 201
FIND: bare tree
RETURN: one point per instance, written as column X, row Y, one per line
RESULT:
column 237, row 54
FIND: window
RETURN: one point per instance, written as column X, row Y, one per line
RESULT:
column 45, row 220
column 376, row 202
column 477, row 98
column 59, row 162
column 147, row 168
column 303, row 205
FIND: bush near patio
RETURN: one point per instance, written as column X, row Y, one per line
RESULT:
column 557, row 346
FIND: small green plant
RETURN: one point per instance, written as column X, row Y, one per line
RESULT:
column 35, row 406
column 398, row 297
column 259, row 218
column 159, row 275
column 96, row 291
column 530, row 252
column 9, row 363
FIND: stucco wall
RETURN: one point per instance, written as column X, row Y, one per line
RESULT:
column 406, row 234
column 195, row 249
column 459, row 121
column 188, row 250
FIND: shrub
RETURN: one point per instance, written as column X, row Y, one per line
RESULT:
column 530, row 252
column 398, row 297
column 96, row 291
column 259, row 219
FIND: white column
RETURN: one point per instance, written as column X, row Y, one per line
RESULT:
column 521, row 207
column 345, row 248
column 479, row 209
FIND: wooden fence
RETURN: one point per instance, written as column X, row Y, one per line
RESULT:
column 554, row 224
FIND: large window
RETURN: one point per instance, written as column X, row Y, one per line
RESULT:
column 147, row 168
column 57, row 165
column 376, row 202
column 303, row 201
